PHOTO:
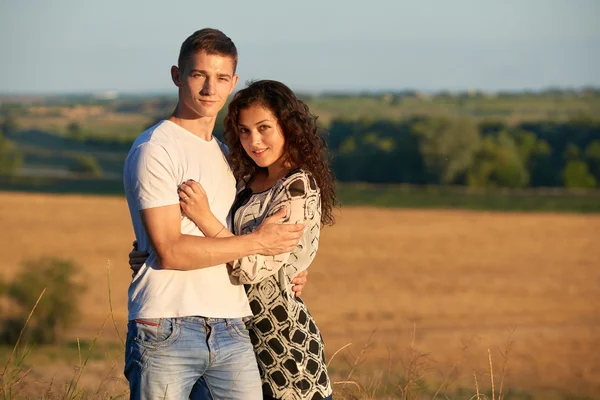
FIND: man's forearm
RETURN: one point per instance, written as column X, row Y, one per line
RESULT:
column 189, row 252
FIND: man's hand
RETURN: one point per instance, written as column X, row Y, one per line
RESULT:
column 299, row 281
column 137, row 259
column 276, row 238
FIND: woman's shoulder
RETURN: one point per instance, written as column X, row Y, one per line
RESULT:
column 299, row 182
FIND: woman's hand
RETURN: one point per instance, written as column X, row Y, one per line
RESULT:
column 193, row 201
column 299, row 281
column 137, row 259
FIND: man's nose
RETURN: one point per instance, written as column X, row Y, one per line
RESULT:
column 209, row 87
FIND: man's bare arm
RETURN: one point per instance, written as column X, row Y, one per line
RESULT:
column 186, row 252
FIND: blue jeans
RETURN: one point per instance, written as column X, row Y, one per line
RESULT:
column 190, row 357
column 265, row 397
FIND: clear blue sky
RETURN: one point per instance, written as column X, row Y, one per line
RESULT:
column 312, row 45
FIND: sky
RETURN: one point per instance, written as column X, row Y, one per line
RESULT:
column 77, row 46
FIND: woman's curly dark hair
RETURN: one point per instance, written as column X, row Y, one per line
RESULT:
column 304, row 146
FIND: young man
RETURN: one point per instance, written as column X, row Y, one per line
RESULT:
column 185, row 331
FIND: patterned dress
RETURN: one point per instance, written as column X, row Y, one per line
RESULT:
column 287, row 342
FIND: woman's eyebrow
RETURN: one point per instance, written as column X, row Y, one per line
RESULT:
column 259, row 122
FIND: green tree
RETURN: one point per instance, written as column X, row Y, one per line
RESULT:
column 498, row 163
column 10, row 125
column 577, row 175
column 11, row 158
column 86, row 164
column 448, row 146
column 572, row 153
column 592, row 157
column 74, row 131
column 57, row 309
column 540, row 165
column 510, row 168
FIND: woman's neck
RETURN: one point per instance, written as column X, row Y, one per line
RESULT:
column 277, row 171
column 268, row 176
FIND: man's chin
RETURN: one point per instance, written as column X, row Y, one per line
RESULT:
column 207, row 113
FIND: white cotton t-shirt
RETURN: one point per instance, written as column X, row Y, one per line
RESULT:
column 160, row 159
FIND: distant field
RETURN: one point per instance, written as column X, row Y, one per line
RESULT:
column 349, row 194
column 106, row 124
column 510, row 109
column 435, row 279
column 104, row 119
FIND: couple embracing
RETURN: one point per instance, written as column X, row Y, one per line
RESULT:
column 224, row 235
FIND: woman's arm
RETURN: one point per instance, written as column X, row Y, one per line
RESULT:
column 302, row 203
column 194, row 203
column 297, row 202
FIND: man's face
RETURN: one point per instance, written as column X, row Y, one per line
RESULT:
column 205, row 83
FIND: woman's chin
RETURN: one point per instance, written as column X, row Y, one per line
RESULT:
column 262, row 164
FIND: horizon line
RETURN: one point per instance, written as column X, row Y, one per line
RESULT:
column 108, row 93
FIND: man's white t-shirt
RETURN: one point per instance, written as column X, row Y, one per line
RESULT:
column 160, row 159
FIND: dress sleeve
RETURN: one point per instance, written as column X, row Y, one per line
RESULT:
column 301, row 198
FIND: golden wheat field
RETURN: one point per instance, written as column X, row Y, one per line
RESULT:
column 437, row 292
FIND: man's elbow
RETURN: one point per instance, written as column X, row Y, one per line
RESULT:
column 167, row 259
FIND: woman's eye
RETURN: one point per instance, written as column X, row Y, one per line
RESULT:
column 263, row 127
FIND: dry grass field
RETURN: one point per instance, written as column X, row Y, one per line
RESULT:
column 448, row 285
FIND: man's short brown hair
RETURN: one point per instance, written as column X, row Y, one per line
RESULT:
column 210, row 41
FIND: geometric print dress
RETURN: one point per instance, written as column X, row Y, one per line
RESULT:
column 287, row 342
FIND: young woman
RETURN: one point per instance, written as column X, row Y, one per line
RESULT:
column 280, row 161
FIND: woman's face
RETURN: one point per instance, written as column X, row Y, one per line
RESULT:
column 261, row 136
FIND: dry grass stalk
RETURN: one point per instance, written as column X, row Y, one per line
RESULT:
column 505, row 355
column 454, row 371
column 337, row 351
column 491, row 374
column 14, row 374
column 478, row 397
column 72, row 390
column 111, row 307
column 357, row 360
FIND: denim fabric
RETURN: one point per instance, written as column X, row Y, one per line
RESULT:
column 191, row 357
column 265, row 397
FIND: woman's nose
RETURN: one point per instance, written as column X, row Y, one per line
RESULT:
column 254, row 137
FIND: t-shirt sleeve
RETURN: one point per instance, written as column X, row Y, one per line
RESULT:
column 303, row 206
column 150, row 177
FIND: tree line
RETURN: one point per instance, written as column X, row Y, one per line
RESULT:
column 460, row 151
column 427, row 150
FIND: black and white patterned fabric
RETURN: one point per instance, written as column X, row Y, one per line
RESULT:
column 287, row 342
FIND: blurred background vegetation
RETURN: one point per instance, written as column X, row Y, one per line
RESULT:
column 506, row 151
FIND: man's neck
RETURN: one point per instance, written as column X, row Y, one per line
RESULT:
column 202, row 127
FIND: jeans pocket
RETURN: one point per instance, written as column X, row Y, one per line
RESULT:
column 238, row 330
column 152, row 333
column 135, row 361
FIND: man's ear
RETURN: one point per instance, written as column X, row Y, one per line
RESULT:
column 234, row 81
column 175, row 76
